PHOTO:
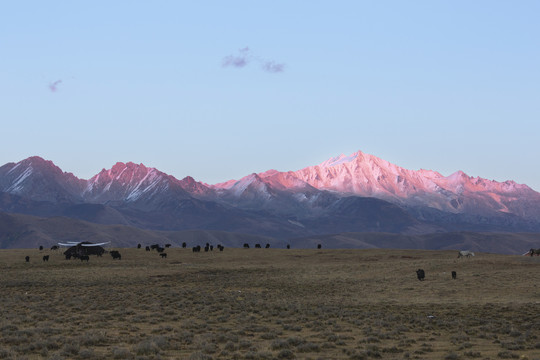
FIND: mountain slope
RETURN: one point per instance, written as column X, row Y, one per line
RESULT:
column 135, row 184
column 24, row 231
column 366, row 175
column 501, row 243
column 40, row 180
column 356, row 193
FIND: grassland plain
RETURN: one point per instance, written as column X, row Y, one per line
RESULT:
column 269, row 304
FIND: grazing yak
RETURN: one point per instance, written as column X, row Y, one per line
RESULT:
column 533, row 252
column 420, row 274
column 116, row 255
column 257, row 246
column 148, row 248
column 163, row 255
column 139, row 246
column 184, row 245
column 45, row 257
column 319, row 246
column 168, row 245
column 84, row 258
column 267, row 246
column 246, row 246
column 465, row 253
column 454, row 275
column 288, row 246
column 27, row 258
column 220, row 247
column 40, row 247
column 54, row 247
column 197, row 248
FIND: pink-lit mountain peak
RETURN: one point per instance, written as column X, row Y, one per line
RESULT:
column 367, row 175
column 284, row 180
column 269, row 179
column 243, row 182
column 194, row 187
column 460, row 181
column 37, row 163
column 130, row 169
column 127, row 181
column 339, row 160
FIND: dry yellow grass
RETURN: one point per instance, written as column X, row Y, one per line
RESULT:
column 269, row 304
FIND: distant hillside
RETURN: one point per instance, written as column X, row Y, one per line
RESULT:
column 26, row 231
column 501, row 243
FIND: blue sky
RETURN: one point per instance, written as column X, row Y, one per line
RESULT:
column 441, row 85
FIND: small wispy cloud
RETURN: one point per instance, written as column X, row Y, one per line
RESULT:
column 273, row 67
column 245, row 56
column 53, row 86
column 239, row 60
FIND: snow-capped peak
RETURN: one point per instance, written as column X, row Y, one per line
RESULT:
column 339, row 160
column 125, row 181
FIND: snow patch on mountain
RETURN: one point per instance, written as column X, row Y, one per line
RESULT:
column 17, row 184
column 338, row 160
column 142, row 188
column 13, row 168
column 253, row 183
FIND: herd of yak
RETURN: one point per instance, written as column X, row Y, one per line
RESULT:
column 82, row 253
column 83, row 250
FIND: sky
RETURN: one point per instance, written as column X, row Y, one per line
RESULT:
column 218, row 90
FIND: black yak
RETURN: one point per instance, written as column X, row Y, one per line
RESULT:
column 533, row 252
column 420, row 274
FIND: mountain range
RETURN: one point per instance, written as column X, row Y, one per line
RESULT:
column 355, row 193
